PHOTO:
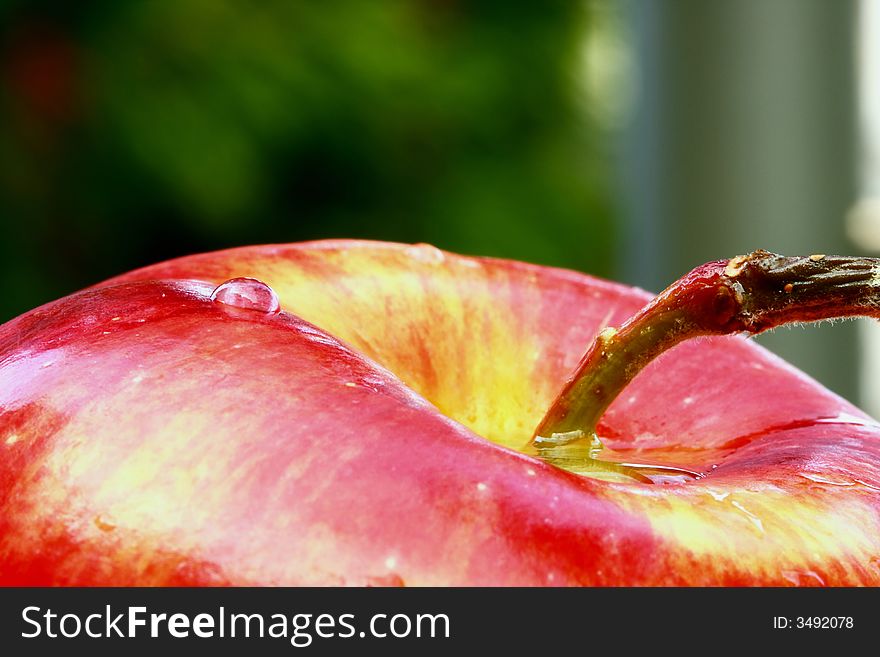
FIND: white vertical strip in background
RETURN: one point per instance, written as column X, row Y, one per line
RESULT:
column 864, row 219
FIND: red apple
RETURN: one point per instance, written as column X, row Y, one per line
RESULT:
column 374, row 432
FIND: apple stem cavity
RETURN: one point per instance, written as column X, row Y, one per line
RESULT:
column 746, row 294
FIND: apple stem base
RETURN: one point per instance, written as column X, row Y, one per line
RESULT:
column 746, row 294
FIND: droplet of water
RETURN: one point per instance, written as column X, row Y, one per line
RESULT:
column 666, row 478
column 803, row 577
column 426, row 253
column 664, row 474
column 247, row 293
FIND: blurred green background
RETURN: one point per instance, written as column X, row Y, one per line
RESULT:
column 632, row 138
column 131, row 132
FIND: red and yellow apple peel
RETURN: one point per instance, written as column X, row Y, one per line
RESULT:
column 374, row 430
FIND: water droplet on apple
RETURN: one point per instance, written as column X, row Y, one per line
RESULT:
column 426, row 253
column 664, row 474
column 803, row 577
column 248, row 294
column 791, row 576
column 667, row 478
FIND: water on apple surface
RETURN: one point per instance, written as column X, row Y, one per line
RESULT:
column 581, row 454
column 247, row 294
column 426, row 253
column 837, row 482
column 803, row 577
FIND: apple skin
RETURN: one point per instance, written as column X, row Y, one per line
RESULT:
column 151, row 436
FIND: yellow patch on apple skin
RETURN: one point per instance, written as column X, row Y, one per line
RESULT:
column 727, row 533
column 415, row 317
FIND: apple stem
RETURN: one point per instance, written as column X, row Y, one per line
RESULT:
column 747, row 294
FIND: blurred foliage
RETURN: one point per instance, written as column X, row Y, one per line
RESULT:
column 131, row 132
